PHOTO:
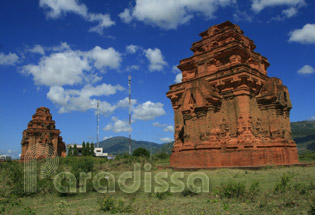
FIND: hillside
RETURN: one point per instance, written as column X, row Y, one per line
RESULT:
column 120, row 145
column 303, row 134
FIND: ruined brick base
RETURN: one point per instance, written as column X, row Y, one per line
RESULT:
column 209, row 158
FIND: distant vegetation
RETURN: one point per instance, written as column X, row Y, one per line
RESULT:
column 303, row 134
column 120, row 145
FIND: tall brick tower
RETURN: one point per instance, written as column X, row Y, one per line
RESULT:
column 41, row 130
column 228, row 112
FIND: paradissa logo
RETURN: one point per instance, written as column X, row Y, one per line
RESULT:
column 130, row 181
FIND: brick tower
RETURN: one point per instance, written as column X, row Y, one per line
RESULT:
column 41, row 130
column 227, row 111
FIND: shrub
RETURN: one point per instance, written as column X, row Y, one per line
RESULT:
column 232, row 189
column 254, row 189
column 141, row 152
column 162, row 195
column 284, row 184
column 15, row 178
column 162, row 155
column 115, row 205
column 312, row 210
column 188, row 192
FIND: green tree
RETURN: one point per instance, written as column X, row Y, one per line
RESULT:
column 75, row 150
column 88, row 148
column 141, row 152
column 92, row 149
column 84, row 149
column 70, row 151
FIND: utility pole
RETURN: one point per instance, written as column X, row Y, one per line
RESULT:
column 98, row 123
column 129, row 85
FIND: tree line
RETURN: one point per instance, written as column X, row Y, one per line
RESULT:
column 86, row 150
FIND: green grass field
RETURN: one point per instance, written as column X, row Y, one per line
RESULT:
column 270, row 190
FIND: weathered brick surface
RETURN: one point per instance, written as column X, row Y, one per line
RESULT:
column 41, row 130
column 228, row 112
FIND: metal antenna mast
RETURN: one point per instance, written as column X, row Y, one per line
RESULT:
column 129, row 84
column 98, row 122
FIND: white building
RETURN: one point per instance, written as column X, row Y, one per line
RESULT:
column 5, row 157
column 98, row 152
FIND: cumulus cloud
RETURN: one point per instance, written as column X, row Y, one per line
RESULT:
column 172, row 13
column 166, row 139
column 58, row 69
column 104, row 21
column 8, row 59
column 105, row 137
column 58, row 8
column 167, row 128
column 38, row 49
column 133, row 68
column 131, row 49
column 118, row 126
column 124, row 103
column 312, row 118
column 178, row 78
column 156, row 59
column 80, row 100
column 306, row 35
column 105, row 57
column 70, row 67
column 259, row 5
column 126, row 16
column 306, row 70
column 148, row 110
column 157, row 124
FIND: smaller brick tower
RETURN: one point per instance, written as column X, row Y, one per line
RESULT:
column 41, row 130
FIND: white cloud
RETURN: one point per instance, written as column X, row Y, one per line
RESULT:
column 70, row 67
column 117, row 126
column 148, row 110
column 157, row 124
column 312, row 118
column 80, row 100
column 38, row 49
column 133, row 68
column 58, row 69
column 126, row 16
column 171, row 13
column 11, row 151
column 259, row 5
column 169, row 128
column 166, row 139
column 124, row 103
column 178, row 78
column 290, row 12
column 304, row 35
column 105, row 57
column 306, row 70
column 9, row 59
column 156, row 59
column 131, row 49
column 105, row 137
column 59, row 48
column 57, row 8
column 104, row 21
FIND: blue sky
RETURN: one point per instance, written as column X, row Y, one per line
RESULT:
column 67, row 54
